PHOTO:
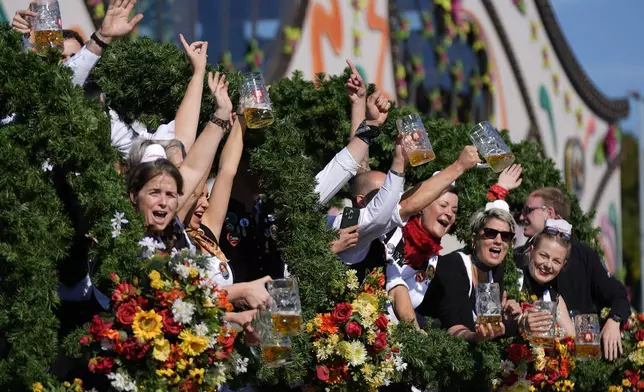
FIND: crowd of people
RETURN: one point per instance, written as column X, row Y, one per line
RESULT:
column 167, row 179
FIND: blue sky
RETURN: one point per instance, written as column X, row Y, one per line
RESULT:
column 608, row 40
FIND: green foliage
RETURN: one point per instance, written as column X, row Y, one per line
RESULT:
column 146, row 81
column 631, row 210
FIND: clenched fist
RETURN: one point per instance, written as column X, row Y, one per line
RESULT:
column 468, row 158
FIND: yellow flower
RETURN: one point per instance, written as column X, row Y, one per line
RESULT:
column 352, row 280
column 637, row 357
column 191, row 344
column 615, row 388
column 161, row 349
column 165, row 372
column 157, row 284
column 626, row 382
column 182, row 364
column 78, row 385
column 147, row 325
column 640, row 344
column 37, row 387
column 533, row 389
column 66, row 384
column 197, row 375
column 194, row 272
column 154, row 275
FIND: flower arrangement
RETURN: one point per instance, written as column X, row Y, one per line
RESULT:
column 630, row 376
column 166, row 330
column 526, row 369
column 353, row 345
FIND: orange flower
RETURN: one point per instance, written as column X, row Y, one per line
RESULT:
column 111, row 334
column 328, row 324
column 224, row 303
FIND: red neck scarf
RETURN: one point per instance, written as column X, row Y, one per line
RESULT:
column 419, row 244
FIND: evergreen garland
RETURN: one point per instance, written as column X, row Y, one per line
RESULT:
column 145, row 80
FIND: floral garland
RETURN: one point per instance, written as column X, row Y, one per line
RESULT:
column 354, row 347
column 532, row 369
column 630, row 375
column 166, row 330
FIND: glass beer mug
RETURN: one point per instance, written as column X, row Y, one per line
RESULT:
column 488, row 305
column 587, row 333
column 546, row 338
column 48, row 26
column 255, row 101
column 488, row 141
column 415, row 140
column 286, row 309
column 275, row 349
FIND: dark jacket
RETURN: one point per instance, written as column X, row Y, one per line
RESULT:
column 584, row 283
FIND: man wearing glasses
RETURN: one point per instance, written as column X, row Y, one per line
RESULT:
column 584, row 283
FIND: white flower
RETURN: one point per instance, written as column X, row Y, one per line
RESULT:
column 122, row 382
column 46, row 166
column 201, row 329
column 399, row 364
column 354, row 352
column 241, row 365
column 212, row 342
column 183, row 311
column 116, row 233
column 150, row 245
column 119, row 220
column 507, row 367
column 182, row 270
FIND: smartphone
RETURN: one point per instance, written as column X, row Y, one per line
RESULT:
column 349, row 217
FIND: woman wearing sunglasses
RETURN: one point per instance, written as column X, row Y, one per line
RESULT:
column 548, row 255
column 451, row 297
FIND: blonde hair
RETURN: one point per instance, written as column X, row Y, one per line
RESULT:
column 480, row 219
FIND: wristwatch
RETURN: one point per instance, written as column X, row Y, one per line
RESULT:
column 617, row 318
column 224, row 124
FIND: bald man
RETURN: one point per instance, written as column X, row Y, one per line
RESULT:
column 378, row 195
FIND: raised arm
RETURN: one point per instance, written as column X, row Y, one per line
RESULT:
column 187, row 118
column 215, row 215
column 429, row 190
column 199, row 159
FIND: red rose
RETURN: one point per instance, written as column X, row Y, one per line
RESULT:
column 226, row 342
column 322, row 372
column 570, row 344
column 552, row 376
column 169, row 324
column 517, row 352
column 125, row 313
column 639, row 335
column 382, row 321
column 381, row 342
column 98, row 327
column 85, row 340
column 342, row 312
column 101, row 365
column 142, row 302
column 115, row 278
column 353, row 329
column 525, row 306
column 640, row 385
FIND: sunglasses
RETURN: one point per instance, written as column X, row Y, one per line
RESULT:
column 528, row 209
column 553, row 231
column 490, row 234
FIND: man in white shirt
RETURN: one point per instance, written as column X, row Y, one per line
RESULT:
column 378, row 197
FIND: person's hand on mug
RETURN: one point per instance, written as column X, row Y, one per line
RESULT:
column 468, row 158
column 537, row 321
column 22, row 21
column 511, row 308
column 510, row 177
column 255, row 295
column 347, row 238
column 485, row 332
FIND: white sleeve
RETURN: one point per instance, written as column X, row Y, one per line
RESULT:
column 395, row 276
column 82, row 64
column 121, row 135
column 381, row 208
column 335, row 175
